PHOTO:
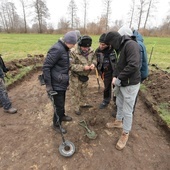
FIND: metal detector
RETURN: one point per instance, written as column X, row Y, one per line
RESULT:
column 67, row 148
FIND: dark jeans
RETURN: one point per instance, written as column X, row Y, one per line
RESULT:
column 107, row 88
column 4, row 99
column 59, row 101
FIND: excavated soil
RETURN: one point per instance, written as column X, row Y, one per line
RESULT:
column 28, row 142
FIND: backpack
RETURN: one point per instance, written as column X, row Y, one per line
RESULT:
column 144, row 70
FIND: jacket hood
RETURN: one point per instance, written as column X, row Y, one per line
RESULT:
column 138, row 36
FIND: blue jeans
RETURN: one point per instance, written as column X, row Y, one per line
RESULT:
column 4, row 99
column 125, row 101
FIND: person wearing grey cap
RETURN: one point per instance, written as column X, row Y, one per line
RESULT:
column 56, row 75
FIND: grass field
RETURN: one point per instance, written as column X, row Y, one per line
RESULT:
column 16, row 46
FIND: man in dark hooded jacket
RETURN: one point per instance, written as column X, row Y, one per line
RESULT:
column 126, row 80
column 56, row 75
column 106, row 61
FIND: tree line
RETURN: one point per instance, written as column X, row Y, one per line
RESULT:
column 141, row 11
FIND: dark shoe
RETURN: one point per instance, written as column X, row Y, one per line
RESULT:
column 77, row 112
column 57, row 128
column 67, row 118
column 103, row 105
column 11, row 110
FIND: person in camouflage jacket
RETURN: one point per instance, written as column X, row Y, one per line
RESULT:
column 82, row 62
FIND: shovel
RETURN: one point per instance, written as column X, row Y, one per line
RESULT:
column 90, row 134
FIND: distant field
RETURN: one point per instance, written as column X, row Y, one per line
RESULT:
column 15, row 46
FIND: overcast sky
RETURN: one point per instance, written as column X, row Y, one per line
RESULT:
column 120, row 9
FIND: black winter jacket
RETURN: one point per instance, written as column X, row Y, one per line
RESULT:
column 56, row 67
column 128, row 65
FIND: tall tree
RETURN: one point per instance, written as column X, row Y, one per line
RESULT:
column 107, row 6
column 132, row 9
column 41, row 12
column 9, row 17
column 151, row 5
column 24, row 6
column 72, row 8
column 142, row 10
column 85, row 5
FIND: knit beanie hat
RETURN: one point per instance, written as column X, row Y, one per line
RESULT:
column 78, row 34
column 125, row 31
column 85, row 41
column 70, row 37
column 114, row 39
column 102, row 38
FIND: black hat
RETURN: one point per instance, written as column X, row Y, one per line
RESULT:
column 85, row 41
column 114, row 39
column 102, row 38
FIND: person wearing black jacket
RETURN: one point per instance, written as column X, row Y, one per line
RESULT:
column 106, row 60
column 4, row 99
column 126, row 80
column 56, row 74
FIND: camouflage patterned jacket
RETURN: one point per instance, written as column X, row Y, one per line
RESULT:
column 78, row 61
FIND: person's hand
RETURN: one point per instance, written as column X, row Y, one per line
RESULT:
column 92, row 66
column 114, row 80
column 87, row 68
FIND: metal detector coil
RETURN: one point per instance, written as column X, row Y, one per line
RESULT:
column 67, row 149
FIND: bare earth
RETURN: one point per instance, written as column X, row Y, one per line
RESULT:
column 28, row 142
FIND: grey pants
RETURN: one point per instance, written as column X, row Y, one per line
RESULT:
column 125, row 101
column 4, row 99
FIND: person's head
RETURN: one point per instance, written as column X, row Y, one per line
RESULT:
column 124, row 30
column 70, row 39
column 85, row 43
column 114, row 39
column 102, row 44
column 78, row 34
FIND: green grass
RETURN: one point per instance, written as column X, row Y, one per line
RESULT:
column 16, row 46
column 161, row 51
column 164, row 112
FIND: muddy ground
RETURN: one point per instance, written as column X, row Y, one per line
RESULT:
column 28, row 142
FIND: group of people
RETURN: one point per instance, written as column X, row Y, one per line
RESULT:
column 69, row 63
column 118, row 60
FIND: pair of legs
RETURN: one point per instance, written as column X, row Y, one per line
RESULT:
column 78, row 94
column 4, row 99
column 107, row 90
column 125, row 101
column 59, row 114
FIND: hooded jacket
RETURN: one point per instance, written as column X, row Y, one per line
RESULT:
column 128, row 59
column 144, row 59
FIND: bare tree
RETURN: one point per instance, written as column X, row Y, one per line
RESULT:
column 132, row 9
column 42, row 13
column 85, row 5
column 72, row 8
column 151, row 5
column 107, row 6
column 9, row 17
column 24, row 6
column 142, row 10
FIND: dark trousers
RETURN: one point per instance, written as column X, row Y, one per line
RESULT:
column 107, row 88
column 59, row 101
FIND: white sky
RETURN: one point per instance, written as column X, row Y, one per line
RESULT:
column 120, row 8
